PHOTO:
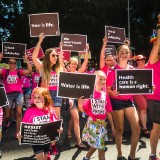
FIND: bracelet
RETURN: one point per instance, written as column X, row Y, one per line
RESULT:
column 153, row 37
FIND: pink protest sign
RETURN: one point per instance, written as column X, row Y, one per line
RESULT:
column 66, row 54
column 30, row 51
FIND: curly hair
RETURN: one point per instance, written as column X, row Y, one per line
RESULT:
column 48, row 103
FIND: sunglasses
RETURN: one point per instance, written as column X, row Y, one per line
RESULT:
column 55, row 55
column 12, row 62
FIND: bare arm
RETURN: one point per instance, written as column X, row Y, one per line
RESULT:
column 38, row 64
column 84, row 64
column 80, row 101
column 153, row 58
column 29, row 66
column 109, row 115
column 61, row 58
column 102, row 55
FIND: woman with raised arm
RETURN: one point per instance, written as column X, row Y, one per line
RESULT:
column 49, row 71
column 154, row 100
column 108, row 61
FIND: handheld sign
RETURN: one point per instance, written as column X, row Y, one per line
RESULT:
column 115, row 34
column 3, row 97
column 47, row 23
column 14, row 50
column 39, row 134
column 74, row 42
column 75, row 85
column 29, row 54
column 136, row 81
column 66, row 54
column 110, row 49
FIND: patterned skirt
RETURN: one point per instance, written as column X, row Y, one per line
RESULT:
column 94, row 133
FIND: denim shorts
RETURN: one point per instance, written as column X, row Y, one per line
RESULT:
column 57, row 101
column 15, row 98
column 41, row 148
column 26, row 91
column 75, row 104
column 118, row 104
column 154, row 110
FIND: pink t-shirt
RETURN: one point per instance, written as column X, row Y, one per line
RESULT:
column 35, row 80
column 53, row 82
column 12, row 83
column 111, row 81
column 106, row 70
column 38, row 116
column 25, row 82
column 156, row 80
column 98, row 106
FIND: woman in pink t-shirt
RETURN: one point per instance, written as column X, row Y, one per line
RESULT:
column 154, row 99
column 97, row 109
column 13, row 87
column 122, row 105
column 49, row 71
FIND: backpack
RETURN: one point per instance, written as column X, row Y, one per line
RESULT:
column 7, row 73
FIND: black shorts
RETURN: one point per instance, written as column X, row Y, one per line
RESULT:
column 75, row 104
column 154, row 110
column 41, row 148
column 118, row 104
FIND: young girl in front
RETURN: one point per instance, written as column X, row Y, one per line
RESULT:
column 97, row 109
column 41, row 106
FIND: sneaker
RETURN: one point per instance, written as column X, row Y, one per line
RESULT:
column 153, row 157
column 121, row 158
column 84, row 158
column 6, row 127
column 0, row 154
column 15, row 136
column 83, row 115
column 129, row 158
column 49, row 156
column 54, row 150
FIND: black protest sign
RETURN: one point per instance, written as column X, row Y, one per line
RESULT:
column 110, row 49
column 136, row 81
column 14, row 50
column 47, row 23
column 39, row 134
column 3, row 97
column 74, row 42
column 115, row 34
column 75, row 85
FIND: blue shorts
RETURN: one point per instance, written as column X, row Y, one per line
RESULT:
column 26, row 91
column 118, row 104
column 41, row 148
column 15, row 98
column 57, row 101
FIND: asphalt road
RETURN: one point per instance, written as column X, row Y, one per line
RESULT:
column 13, row 151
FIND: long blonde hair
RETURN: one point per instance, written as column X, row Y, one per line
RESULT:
column 47, row 68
